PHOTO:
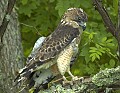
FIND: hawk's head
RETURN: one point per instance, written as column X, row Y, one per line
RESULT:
column 75, row 17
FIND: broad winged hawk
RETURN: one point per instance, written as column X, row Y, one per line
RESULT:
column 55, row 52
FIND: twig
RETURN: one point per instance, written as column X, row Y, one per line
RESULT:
column 108, row 22
column 31, row 27
column 118, row 28
column 105, row 17
column 119, row 15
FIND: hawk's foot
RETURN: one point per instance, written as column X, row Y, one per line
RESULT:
column 74, row 78
column 65, row 81
column 81, row 79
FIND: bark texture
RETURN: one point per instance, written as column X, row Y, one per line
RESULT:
column 11, row 54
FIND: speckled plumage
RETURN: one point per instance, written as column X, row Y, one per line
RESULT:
column 57, row 50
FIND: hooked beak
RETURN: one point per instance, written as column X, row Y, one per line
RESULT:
column 84, row 26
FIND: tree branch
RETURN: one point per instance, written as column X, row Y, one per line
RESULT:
column 103, row 81
column 118, row 28
column 108, row 22
column 106, row 18
column 119, row 15
column 6, row 18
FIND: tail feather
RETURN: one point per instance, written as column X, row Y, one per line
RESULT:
column 43, row 85
column 29, row 74
column 26, row 72
column 37, row 89
column 40, row 80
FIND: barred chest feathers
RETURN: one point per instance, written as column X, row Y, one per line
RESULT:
column 64, row 58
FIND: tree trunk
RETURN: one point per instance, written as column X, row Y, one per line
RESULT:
column 11, row 53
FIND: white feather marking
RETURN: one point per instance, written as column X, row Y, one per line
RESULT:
column 43, row 76
column 63, row 22
column 22, row 74
column 71, row 8
column 38, row 43
column 36, row 65
column 73, row 40
column 22, row 78
column 31, row 70
column 81, row 9
column 20, row 71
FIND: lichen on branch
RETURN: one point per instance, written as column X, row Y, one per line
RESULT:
column 105, row 80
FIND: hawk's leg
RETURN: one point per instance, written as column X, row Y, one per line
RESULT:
column 64, row 78
column 73, row 77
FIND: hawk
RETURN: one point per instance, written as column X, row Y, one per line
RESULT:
column 43, row 77
column 55, row 53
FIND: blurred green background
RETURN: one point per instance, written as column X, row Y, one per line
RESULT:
column 98, row 48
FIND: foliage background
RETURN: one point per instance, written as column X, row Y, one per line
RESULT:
column 98, row 48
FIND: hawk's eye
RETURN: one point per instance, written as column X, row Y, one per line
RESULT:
column 79, row 18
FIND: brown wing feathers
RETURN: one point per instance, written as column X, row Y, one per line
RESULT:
column 53, row 44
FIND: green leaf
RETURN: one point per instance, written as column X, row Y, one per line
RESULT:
column 97, row 45
column 99, row 53
column 109, row 40
column 85, row 3
column 93, row 58
column 115, row 5
column 92, row 51
column 94, row 24
column 97, row 56
column 31, row 90
column 93, row 48
column 24, row 2
column 28, row 8
column 86, row 32
column 112, row 62
column 51, row 1
column 107, row 49
column 110, row 44
column 62, row 6
column 106, row 65
column 90, row 36
column 93, row 54
column 87, row 58
column 84, row 51
column 102, row 51
column 104, row 39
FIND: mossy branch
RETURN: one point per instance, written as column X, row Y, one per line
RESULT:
column 104, row 81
